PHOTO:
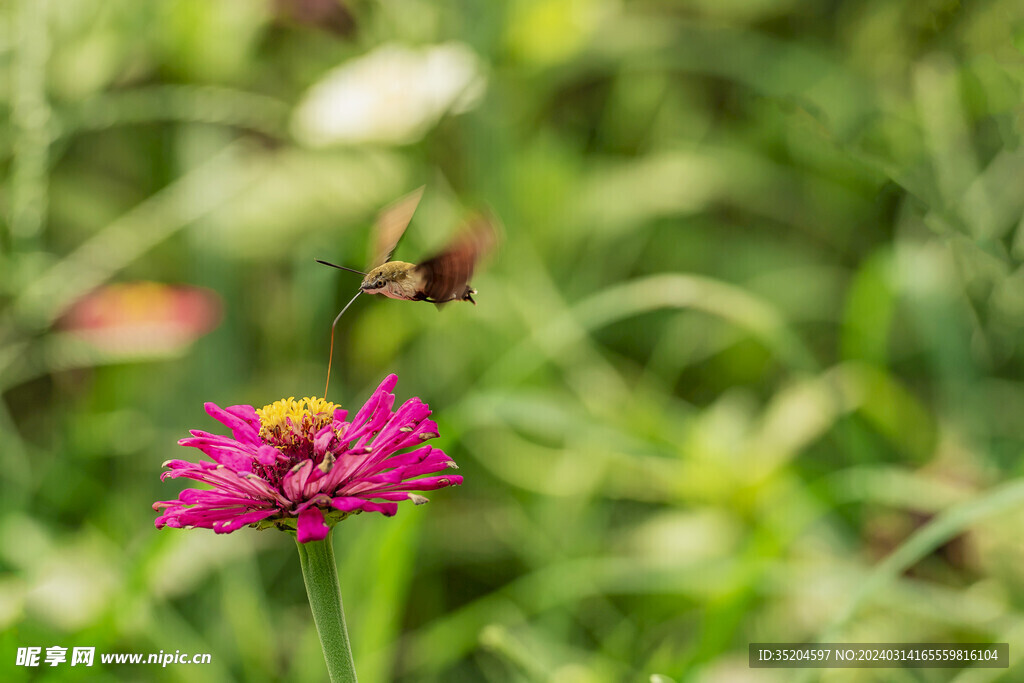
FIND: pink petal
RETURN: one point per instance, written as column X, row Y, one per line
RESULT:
column 223, row 451
column 311, row 526
column 268, row 456
column 322, row 440
column 308, row 481
column 375, row 412
column 351, row 503
column 369, row 489
column 294, row 482
column 244, row 424
column 237, row 521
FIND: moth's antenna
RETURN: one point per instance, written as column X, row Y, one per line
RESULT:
column 335, row 265
column 330, row 357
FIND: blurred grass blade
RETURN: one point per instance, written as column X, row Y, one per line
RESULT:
column 206, row 104
column 184, row 201
column 941, row 529
column 30, row 118
column 627, row 300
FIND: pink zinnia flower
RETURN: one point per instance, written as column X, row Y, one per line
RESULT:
column 299, row 465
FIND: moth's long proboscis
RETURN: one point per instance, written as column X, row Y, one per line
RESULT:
column 330, row 357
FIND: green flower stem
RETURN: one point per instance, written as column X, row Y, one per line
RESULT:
column 321, row 577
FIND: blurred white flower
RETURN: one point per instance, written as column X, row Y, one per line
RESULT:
column 392, row 95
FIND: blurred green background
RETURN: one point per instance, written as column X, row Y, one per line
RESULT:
column 747, row 366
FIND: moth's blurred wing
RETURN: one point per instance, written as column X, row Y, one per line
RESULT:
column 390, row 226
column 446, row 276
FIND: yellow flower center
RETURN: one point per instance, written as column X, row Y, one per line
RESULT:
column 289, row 423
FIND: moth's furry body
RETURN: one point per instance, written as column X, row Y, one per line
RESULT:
column 402, row 280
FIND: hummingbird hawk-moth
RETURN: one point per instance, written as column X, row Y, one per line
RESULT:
column 442, row 278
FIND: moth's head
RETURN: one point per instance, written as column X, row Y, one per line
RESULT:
column 372, row 285
column 376, row 280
